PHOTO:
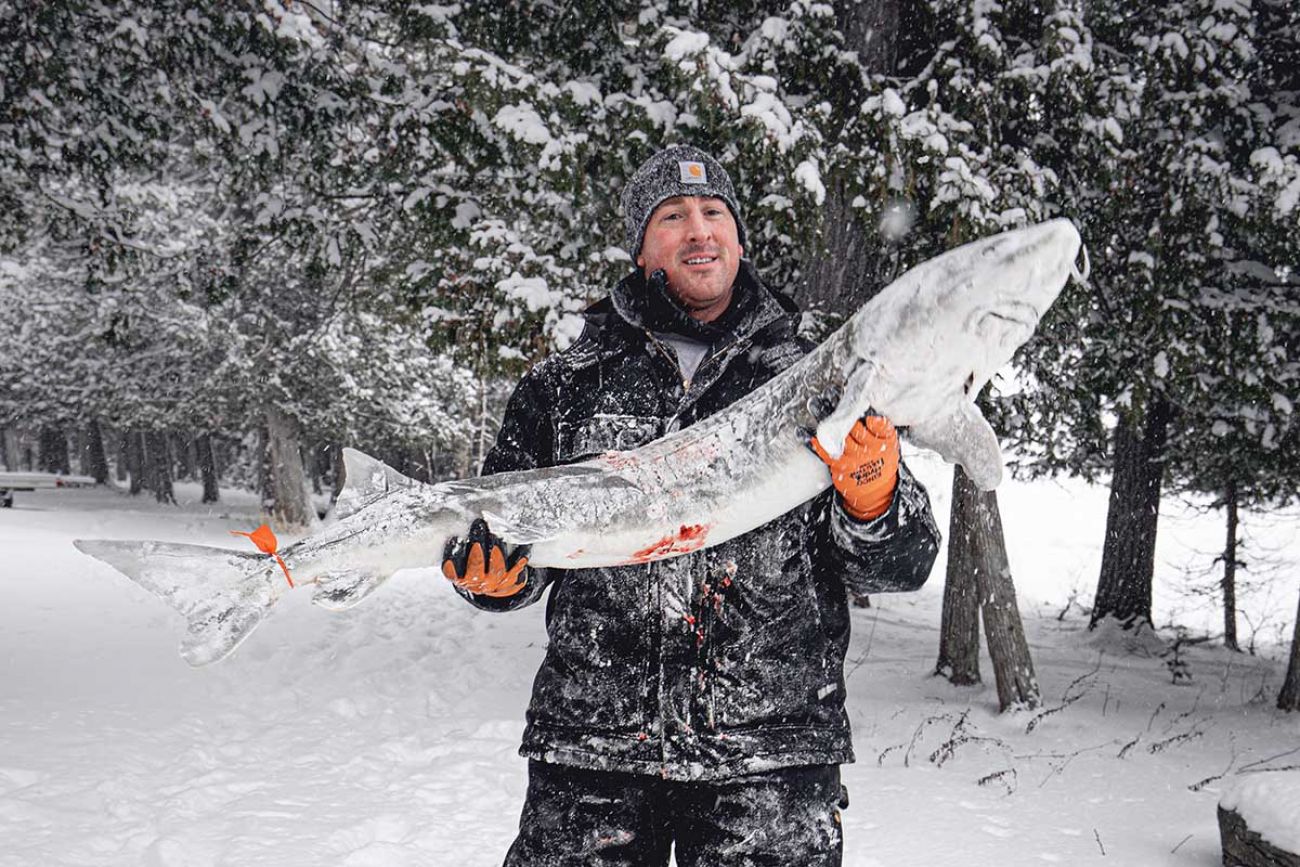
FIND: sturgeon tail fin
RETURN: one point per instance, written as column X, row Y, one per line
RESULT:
column 222, row 594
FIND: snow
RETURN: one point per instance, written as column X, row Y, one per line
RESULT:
column 290, row 23
column 807, row 174
column 684, row 43
column 584, row 93
column 467, row 212
column 524, row 123
column 768, row 110
column 265, row 87
column 1270, row 805
column 1287, row 200
column 775, row 29
column 568, row 328
column 1113, row 129
column 387, row 735
column 532, row 291
column 892, row 103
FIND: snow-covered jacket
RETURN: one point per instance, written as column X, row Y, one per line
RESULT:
column 721, row 662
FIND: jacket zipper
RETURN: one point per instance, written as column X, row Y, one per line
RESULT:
column 671, row 357
column 673, row 424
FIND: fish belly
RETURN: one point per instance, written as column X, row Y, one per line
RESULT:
column 677, row 521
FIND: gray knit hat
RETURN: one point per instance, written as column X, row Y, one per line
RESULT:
column 676, row 171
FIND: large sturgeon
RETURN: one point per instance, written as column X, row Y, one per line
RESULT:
column 919, row 352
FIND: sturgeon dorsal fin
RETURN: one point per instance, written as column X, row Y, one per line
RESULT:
column 366, row 480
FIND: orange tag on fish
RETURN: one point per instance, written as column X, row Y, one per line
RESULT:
column 264, row 538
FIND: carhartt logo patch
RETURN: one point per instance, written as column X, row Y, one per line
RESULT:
column 692, row 173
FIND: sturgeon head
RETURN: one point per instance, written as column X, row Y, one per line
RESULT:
column 923, row 348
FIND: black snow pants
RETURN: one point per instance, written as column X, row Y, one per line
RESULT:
column 575, row 817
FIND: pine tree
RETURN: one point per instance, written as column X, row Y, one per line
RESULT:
column 1162, row 176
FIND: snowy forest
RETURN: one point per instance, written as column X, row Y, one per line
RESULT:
column 238, row 236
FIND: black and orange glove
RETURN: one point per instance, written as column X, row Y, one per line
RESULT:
column 866, row 473
column 478, row 564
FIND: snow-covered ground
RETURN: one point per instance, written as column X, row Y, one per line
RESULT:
column 387, row 735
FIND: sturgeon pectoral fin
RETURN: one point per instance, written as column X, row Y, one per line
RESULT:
column 222, row 594
column 964, row 438
column 340, row 590
column 517, row 532
column 366, row 480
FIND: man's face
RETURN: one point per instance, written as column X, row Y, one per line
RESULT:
column 694, row 240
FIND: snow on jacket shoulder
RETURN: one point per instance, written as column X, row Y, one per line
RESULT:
column 724, row 661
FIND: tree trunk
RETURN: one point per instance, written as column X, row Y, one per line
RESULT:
column 871, row 29
column 959, row 630
column 1289, row 697
column 316, row 463
column 1244, row 847
column 291, row 504
column 484, row 438
column 207, row 467
column 54, row 451
column 10, row 450
column 158, row 467
column 185, row 460
column 836, row 274
column 1013, row 668
column 340, row 471
column 119, row 468
column 135, row 459
column 265, row 489
column 78, row 446
column 1230, row 571
column 98, row 459
column 1129, row 554
column 849, row 268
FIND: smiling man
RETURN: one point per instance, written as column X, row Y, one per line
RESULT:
column 694, row 241
column 693, row 705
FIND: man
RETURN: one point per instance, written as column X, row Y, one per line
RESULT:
column 695, row 702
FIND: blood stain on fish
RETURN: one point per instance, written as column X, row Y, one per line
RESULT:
column 689, row 537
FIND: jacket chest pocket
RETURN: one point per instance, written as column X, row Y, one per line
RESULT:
column 584, row 438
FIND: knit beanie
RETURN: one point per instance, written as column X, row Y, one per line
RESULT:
column 676, row 171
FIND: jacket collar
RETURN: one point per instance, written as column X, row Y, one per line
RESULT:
column 760, row 306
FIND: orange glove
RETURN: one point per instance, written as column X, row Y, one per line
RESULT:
column 867, row 472
column 478, row 563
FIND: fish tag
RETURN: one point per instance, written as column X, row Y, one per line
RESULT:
column 264, row 538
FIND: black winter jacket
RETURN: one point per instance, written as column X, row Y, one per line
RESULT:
column 717, row 663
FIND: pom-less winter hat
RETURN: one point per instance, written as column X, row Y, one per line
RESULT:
column 676, row 171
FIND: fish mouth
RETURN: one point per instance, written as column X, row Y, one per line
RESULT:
column 1013, row 322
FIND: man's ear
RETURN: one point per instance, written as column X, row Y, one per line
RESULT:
column 742, row 251
column 640, row 261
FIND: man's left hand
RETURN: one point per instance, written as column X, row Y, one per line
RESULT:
column 866, row 473
column 478, row 564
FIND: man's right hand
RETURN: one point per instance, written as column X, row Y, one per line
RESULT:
column 866, row 472
column 478, row 563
